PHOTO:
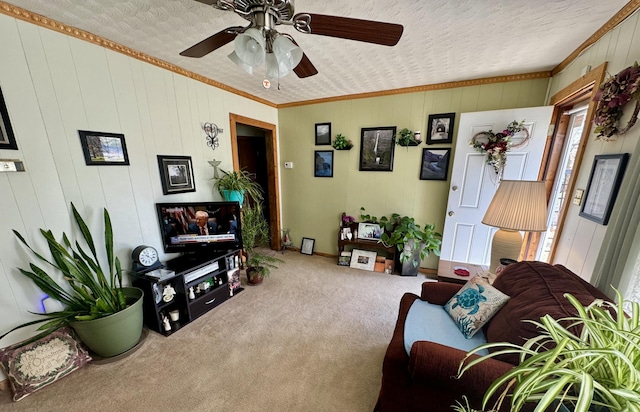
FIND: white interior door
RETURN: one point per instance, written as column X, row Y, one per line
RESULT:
column 473, row 182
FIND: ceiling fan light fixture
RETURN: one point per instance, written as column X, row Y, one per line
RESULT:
column 250, row 47
column 286, row 52
column 275, row 69
column 234, row 58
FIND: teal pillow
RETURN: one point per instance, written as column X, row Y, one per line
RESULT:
column 474, row 304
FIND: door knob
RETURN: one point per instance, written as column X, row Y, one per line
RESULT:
column 454, row 188
column 451, row 213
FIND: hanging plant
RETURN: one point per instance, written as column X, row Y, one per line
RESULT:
column 496, row 145
column 405, row 138
column 612, row 96
column 342, row 143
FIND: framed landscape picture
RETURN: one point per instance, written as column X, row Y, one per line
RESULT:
column 323, row 163
column 435, row 164
column 176, row 174
column 363, row 259
column 323, row 134
column 377, row 149
column 103, row 149
column 440, row 128
column 7, row 139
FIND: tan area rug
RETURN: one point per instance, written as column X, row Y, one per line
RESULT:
column 310, row 338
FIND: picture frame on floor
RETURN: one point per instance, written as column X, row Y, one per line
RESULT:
column 176, row 174
column 440, row 128
column 363, row 259
column 307, row 246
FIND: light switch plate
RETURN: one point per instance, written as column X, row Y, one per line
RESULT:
column 577, row 198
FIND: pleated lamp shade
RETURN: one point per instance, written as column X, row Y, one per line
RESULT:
column 518, row 205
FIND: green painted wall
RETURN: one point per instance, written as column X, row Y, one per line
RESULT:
column 312, row 206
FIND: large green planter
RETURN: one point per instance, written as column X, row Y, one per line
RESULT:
column 117, row 333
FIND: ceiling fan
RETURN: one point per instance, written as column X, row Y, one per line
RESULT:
column 260, row 42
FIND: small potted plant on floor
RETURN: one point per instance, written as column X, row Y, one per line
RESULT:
column 106, row 316
column 255, row 232
column 235, row 185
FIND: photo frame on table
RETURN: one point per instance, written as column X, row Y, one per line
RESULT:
column 323, row 163
column 377, row 149
column 7, row 138
column 370, row 231
column 323, row 134
column 176, row 174
column 363, row 259
column 307, row 246
column 103, row 149
column 440, row 128
column 604, row 182
column 435, row 164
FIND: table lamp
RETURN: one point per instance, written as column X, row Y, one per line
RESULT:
column 518, row 205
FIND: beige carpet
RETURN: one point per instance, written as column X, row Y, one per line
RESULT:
column 310, row 338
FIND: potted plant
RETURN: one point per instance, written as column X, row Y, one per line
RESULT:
column 106, row 316
column 233, row 186
column 255, row 232
column 342, row 143
column 405, row 138
column 413, row 242
column 595, row 369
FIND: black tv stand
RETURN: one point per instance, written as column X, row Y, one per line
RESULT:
column 201, row 282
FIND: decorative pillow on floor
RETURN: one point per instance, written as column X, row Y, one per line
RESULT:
column 474, row 304
column 33, row 366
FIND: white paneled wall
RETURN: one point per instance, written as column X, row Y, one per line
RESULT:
column 55, row 85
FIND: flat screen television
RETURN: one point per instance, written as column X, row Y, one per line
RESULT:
column 200, row 227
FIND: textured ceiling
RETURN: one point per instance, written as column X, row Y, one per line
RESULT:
column 443, row 40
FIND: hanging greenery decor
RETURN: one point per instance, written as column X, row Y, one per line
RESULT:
column 496, row 145
column 612, row 96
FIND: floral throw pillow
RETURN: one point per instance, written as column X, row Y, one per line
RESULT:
column 474, row 304
column 33, row 366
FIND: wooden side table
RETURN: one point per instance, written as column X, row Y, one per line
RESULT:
column 446, row 271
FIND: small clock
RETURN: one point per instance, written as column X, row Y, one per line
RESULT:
column 145, row 258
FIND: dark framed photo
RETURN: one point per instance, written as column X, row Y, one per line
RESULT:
column 323, row 134
column 604, row 182
column 440, row 128
column 377, row 149
column 103, row 149
column 323, row 164
column 307, row 246
column 176, row 174
column 7, row 138
column 435, row 164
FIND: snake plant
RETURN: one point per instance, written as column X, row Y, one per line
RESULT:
column 90, row 292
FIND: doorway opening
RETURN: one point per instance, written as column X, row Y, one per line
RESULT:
column 254, row 148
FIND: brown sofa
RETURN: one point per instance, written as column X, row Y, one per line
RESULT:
column 425, row 379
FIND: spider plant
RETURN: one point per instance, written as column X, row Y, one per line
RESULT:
column 91, row 292
column 597, row 369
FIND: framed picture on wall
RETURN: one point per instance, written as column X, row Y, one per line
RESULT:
column 103, row 149
column 440, row 128
column 176, row 174
column 604, row 182
column 377, row 149
column 7, row 139
column 323, row 163
column 323, row 134
column 435, row 164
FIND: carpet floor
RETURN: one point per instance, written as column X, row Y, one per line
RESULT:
column 310, row 338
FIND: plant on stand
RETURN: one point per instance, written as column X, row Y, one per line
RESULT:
column 237, row 185
column 92, row 292
column 593, row 369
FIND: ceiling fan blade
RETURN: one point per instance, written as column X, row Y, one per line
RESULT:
column 207, row 2
column 212, row 43
column 305, row 68
column 369, row 31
